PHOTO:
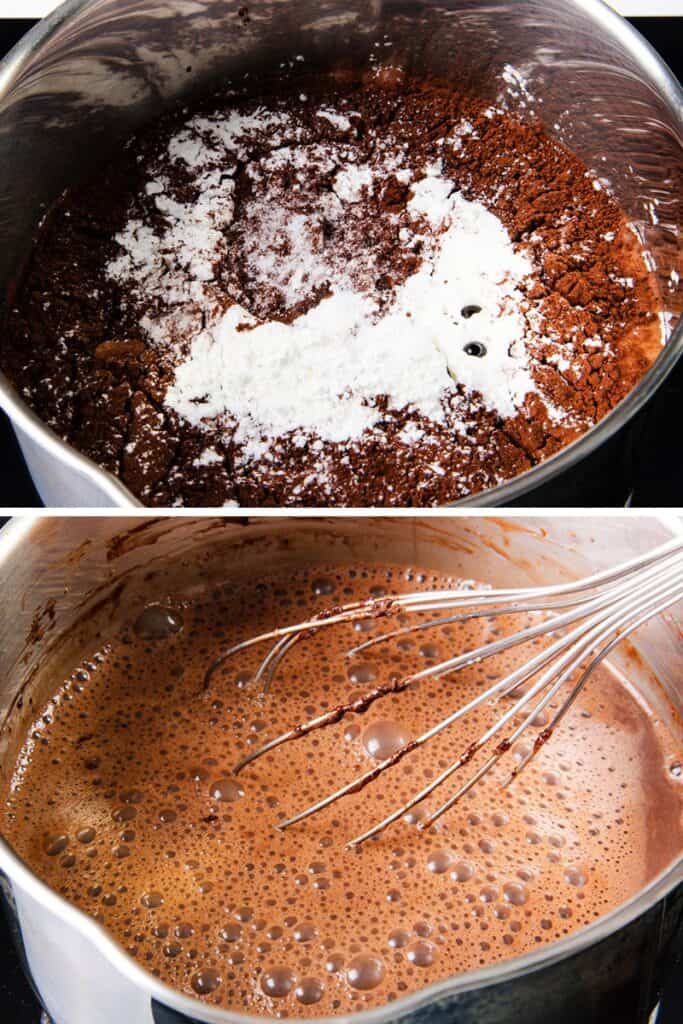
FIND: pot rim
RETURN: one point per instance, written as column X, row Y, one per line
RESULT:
column 18, row 531
column 666, row 85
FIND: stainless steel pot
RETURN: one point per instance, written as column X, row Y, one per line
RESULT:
column 97, row 69
column 80, row 575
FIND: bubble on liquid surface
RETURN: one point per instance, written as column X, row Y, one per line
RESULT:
column 515, row 893
column 226, row 790
column 364, row 625
column 309, row 991
column 421, row 953
column 278, row 981
column 231, row 932
column 365, row 971
column 55, row 845
column 206, row 981
column 323, row 585
column 439, row 861
column 462, row 871
column 156, row 623
column 304, row 932
column 124, row 814
column 399, row 938
column 382, row 739
column 415, row 814
column 131, row 796
column 575, row 875
column 362, row 673
column 152, row 900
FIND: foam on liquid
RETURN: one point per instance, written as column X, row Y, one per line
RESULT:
column 123, row 801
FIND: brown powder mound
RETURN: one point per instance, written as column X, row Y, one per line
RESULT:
column 75, row 347
column 123, row 801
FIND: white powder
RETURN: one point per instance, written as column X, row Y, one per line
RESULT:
column 411, row 433
column 227, row 132
column 194, row 236
column 304, row 269
column 339, row 121
column 464, row 130
column 430, row 197
column 300, row 158
column 321, row 374
column 349, row 182
column 517, row 87
column 209, row 457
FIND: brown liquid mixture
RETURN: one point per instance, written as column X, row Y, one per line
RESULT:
column 123, row 801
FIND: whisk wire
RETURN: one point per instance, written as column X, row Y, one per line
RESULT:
column 361, row 704
column 674, row 594
column 585, row 621
column 467, row 755
column 573, row 662
column 426, row 601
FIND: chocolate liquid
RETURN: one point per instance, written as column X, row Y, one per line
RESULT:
column 123, row 801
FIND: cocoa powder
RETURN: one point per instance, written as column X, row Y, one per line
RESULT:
column 76, row 351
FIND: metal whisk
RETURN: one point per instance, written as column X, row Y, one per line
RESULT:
column 585, row 621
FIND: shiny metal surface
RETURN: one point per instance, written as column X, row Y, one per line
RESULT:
column 97, row 69
column 588, row 627
column 56, row 574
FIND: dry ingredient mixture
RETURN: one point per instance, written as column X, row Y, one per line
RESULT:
column 123, row 800
column 332, row 291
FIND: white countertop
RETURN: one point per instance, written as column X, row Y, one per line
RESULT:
column 38, row 8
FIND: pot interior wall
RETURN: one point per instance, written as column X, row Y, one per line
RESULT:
column 69, row 582
column 107, row 66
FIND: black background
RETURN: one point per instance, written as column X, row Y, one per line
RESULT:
column 642, row 464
